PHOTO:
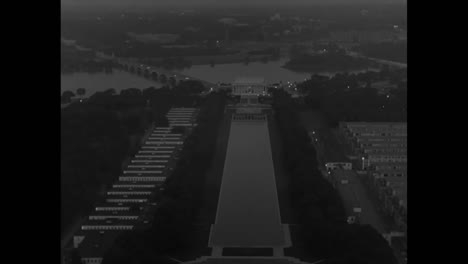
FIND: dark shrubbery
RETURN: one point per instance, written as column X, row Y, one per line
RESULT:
column 312, row 196
column 96, row 139
column 341, row 99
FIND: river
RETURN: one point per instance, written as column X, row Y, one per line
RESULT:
column 272, row 71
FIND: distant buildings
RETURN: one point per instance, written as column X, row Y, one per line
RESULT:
column 131, row 201
column 367, row 36
column 338, row 165
column 376, row 142
column 381, row 150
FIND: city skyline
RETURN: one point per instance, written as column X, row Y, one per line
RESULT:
column 221, row 3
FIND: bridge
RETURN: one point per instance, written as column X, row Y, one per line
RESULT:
column 395, row 64
column 138, row 65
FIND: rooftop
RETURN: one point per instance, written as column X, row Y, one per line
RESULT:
column 115, row 213
column 139, row 185
column 249, row 80
column 129, row 196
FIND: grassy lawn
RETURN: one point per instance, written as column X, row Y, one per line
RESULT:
column 215, row 173
column 281, row 175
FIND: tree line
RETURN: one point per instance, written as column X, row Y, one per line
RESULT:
column 317, row 206
column 98, row 135
column 74, row 60
column 351, row 97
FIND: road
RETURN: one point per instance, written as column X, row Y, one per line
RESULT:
column 370, row 214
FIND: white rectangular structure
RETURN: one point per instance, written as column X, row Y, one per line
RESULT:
column 142, row 178
column 156, row 151
column 129, row 192
column 184, row 125
column 107, row 227
column 158, row 147
column 153, row 156
column 337, row 165
column 149, row 186
column 113, row 208
column 149, row 161
column 126, row 200
column 248, row 86
column 164, row 138
column 120, row 217
column 179, row 115
column 146, row 166
column 166, row 135
column 164, row 143
column 143, row 171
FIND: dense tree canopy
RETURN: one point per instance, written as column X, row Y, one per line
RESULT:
column 342, row 98
column 181, row 199
column 310, row 192
column 98, row 135
column 317, row 206
column 66, row 96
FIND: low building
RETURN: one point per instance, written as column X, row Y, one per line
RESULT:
column 339, row 165
column 256, row 86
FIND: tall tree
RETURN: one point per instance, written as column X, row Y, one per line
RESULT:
column 81, row 91
column 162, row 78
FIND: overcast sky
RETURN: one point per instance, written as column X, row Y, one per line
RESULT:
column 221, row 2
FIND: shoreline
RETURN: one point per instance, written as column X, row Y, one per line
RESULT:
column 318, row 71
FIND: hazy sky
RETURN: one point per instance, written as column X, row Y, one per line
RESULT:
column 221, row 2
